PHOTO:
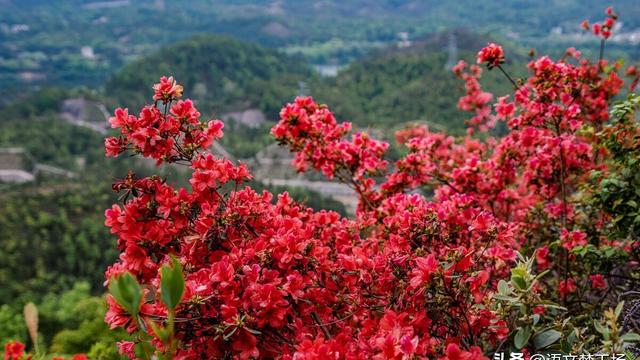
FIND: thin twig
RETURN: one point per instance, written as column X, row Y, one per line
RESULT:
column 326, row 333
column 515, row 85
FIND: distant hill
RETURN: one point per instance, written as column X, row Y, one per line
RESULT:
column 458, row 39
column 41, row 45
column 410, row 83
column 220, row 73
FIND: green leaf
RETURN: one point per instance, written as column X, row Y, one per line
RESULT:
column 617, row 203
column 630, row 337
column 253, row 331
column 172, row 283
column 572, row 337
column 546, row 338
column 600, row 328
column 619, row 309
column 503, row 288
column 522, row 337
column 229, row 335
column 550, row 305
column 505, row 298
column 536, row 318
column 143, row 350
column 519, row 272
column 127, row 293
column 518, row 281
column 160, row 331
column 539, row 276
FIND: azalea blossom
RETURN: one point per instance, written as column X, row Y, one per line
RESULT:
column 167, row 90
column 492, row 55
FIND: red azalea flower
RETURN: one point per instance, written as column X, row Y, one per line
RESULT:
column 454, row 352
column 116, row 316
column 113, row 146
column 127, row 348
column 13, row 350
column 567, row 287
column 542, row 257
column 492, row 55
column 573, row 239
column 167, row 90
column 598, row 281
column 422, row 273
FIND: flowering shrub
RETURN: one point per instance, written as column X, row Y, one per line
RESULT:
column 15, row 350
column 517, row 249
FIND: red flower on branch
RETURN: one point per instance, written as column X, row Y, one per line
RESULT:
column 492, row 55
column 167, row 90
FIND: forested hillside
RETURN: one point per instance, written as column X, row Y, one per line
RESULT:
column 82, row 42
column 60, row 233
column 388, row 91
column 223, row 73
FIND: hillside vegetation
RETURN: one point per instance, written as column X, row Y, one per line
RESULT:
column 390, row 91
column 223, row 73
column 81, row 43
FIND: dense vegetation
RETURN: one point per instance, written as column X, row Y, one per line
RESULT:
column 224, row 74
column 59, row 232
column 70, row 321
column 40, row 42
column 52, row 141
column 387, row 92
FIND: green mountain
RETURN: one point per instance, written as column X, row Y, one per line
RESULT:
column 413, row 83
column 220, row 73
column 82, row 42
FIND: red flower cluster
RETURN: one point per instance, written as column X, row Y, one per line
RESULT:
column 312, row 131
column 598, row 281
column 605, row 28
column 167, row 90
column 409, row 277
column 537, row 168
column 173, row 135
column 492, row 55
column 14, row 350
column 475, row 99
